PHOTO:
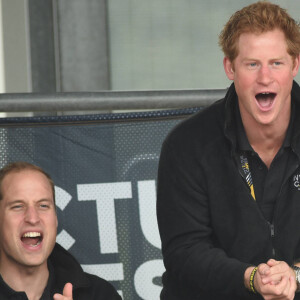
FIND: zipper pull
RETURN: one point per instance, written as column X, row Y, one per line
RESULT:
column 272, row 230
column 272, row 236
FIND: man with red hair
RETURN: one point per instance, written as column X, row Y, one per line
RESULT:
column 228, row 193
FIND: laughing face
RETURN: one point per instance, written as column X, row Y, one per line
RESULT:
column 28, row 221
column 263, row 74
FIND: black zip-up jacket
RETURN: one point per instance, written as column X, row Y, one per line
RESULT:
column 211, row 228
column 65, row 268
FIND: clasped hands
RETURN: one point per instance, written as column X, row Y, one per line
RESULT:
column 275, row 280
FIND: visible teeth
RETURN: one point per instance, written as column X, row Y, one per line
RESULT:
column 32, row 234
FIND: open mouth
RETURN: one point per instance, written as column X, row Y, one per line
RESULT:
column 265, row 100
column 32, row 239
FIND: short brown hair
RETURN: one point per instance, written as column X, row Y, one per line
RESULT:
column 19, row 166
column 257, row 18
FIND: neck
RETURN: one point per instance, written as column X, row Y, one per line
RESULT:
column 267, row 148
column 266, row 140
column 32, row 280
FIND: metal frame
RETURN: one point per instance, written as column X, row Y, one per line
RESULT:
column 107, row 100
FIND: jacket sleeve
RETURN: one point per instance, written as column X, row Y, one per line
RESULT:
column 183, row 212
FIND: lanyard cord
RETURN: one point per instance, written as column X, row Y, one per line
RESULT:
column 248, row 177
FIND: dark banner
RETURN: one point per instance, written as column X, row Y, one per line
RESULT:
column 104, row 168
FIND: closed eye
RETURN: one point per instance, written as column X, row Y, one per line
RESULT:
column 44, row 206
column 16, row 206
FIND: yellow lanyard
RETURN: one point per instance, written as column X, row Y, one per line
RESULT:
column 246, row 169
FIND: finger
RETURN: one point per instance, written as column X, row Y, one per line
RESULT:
column 263, row 269
column 272, row 262
column 282, row 288
column 279, row 268
column 269, row 291
column 61, row 297
column 293, row 287
column 67, row 292
column 289, row 291
column 272, row 279
column 260, row 287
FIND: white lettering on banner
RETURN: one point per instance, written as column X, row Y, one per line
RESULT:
column 65, row 239
column 62, row 199
column 147, row 203
column 110, row 272
column 143, row 279
column 104, row 194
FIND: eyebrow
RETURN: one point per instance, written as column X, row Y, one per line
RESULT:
column 51, row 201
column 22, row 201
column 9, row 203
column 256, row 59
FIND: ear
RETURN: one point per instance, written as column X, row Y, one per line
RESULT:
column 228, row 67
column 296, row 65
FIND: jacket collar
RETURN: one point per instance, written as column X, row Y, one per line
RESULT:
column 230, row 122
column 229, row 126
column 296, row 128
column 67, row 269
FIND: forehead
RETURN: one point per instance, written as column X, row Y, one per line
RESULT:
column 274, row 39
column 26, row 183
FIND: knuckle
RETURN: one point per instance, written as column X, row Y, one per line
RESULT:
column 278, row 292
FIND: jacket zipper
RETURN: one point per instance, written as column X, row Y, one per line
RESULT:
column 270, row 225
column 272, row 231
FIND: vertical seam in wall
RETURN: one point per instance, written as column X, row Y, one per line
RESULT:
column 28, row 48
column 2, row 90
column 107, row 32
column 2, row 66
column 56, row 42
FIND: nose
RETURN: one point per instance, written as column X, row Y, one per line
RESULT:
column 264, row 75
column 32, row 215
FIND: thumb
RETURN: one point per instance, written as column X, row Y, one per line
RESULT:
column 67, row 292
column 272, row 262
column 263, row 269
